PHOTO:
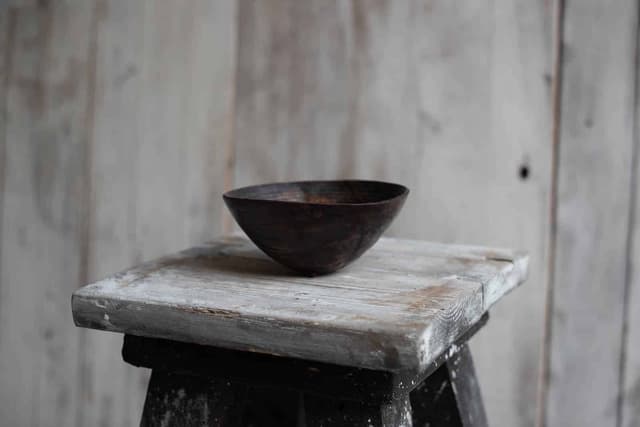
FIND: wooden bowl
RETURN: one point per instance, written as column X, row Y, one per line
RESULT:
column 316, row 227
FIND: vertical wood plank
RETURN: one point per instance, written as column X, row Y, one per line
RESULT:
column 476, row 99
column 208, row 123
column 6, row 31
column 294, row 90
column 44, row 214
column 596, row 141
column 631, row 347
column 112, row 392
column 188, row 65
column 162, row 125
column 631, row 380
column 451, row 99
column 6, row 34
column 511, row 193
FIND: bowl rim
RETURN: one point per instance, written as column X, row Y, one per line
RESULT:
column 404, row 191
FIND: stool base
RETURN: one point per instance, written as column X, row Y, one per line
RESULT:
column 206, row 386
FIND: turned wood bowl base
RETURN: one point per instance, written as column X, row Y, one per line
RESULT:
column 208, row 386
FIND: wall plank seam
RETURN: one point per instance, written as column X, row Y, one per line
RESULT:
column 86, row 235
column 6, row 44
column 628, row 274
column 591, row 233
column 230, row 160
column 556, row 109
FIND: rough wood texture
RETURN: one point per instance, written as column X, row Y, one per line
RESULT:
column 451, row 395
column 630, row 412
column 183, row 400
column 397, row 308
column 177, row 400
column 110, row 106
column 264, row 370
column 195, row 384
column 449, row 98
column 161, row 126
column 6, row 34
column 112, row 394
column 325, row 412
column 44, row 210
column 184, row 122
column 592, row 212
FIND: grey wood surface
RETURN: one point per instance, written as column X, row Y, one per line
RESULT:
column 592, row 212
column 112, row 396
column 162, row 123
column 91, row 90
column 397, row 308
column 451, row 99
column 46, row 192
column 4, row 51
column 186, row 95
column 630, row 409
column 4, row 55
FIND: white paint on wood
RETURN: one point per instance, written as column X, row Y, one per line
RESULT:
column 44, row 211
column 395, row 308
column 448, row 98
column 594, row 173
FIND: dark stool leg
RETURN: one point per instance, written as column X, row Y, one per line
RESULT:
column 198, row 385
column 181, row 400
column 267, row 407
column 186, row 400
column 325, row 412
column 450, row 396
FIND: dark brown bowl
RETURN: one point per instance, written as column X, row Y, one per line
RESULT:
column 316, row 227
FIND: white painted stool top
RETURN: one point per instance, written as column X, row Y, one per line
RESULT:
column 396, row 308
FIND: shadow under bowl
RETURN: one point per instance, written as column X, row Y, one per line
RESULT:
column 316, row 227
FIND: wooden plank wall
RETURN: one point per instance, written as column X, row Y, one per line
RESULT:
column 121, row 123
column 46, row 194
column 172, row 137
column 629, row 413
column 630, row 404
column 382, row 90
column 594, row 187
column 113, row 242
column 117, row 133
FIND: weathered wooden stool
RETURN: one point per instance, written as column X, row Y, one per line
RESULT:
column 233, row 339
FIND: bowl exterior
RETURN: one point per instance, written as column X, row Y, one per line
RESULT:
column 311, row 238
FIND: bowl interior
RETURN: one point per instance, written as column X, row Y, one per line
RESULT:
column 347, row 192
